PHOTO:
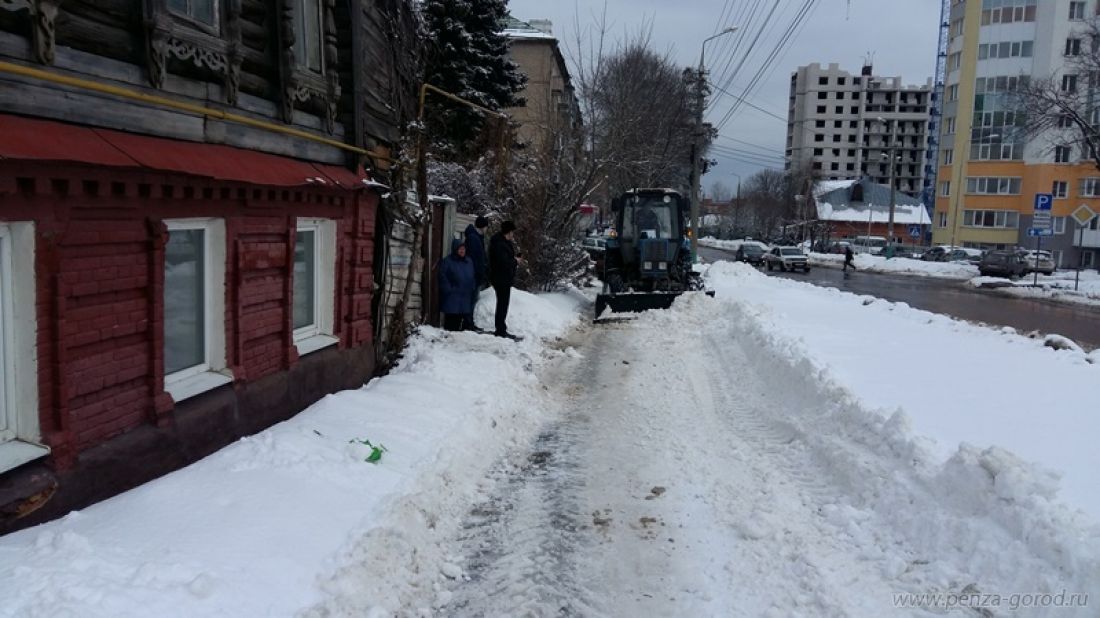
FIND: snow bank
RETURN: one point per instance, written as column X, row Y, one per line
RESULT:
column 246, row 531
column 956, row 382
column 899, row 266
column 992, row 426
column 1058, row 286
column 730, row 245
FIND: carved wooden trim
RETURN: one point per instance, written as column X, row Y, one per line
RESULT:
column 171, row 36
column 305, row 89
column 42, row 13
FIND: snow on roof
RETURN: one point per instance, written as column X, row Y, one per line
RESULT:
column 834, row 203
column 529, row 34
column 828, row 186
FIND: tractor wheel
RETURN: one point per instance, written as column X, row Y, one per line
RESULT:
column 615, row 282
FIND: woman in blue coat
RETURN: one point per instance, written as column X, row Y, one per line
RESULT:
column 457, row 283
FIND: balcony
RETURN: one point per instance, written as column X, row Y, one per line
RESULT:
column 1091, row 239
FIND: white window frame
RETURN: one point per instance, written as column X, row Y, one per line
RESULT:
column 1076, row 11
column 20, row 441
column 1060, row 189
column 945, row 188
column 214, row 371
column 321, row 333
column 1059, row 225
column 942, row 219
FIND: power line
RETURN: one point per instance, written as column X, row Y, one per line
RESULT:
column 742, row 100
column 793, row 27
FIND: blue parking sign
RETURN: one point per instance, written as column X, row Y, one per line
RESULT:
column 1044, row 201
column 914, row 231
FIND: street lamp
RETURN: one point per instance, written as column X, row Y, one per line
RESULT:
column 697, row 146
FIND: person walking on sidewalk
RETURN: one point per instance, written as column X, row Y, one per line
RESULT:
column 849, row 259
column 456, row 285
column 475, row 252
column 503, row 260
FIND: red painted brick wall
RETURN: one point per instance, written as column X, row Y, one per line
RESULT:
column 99, row 263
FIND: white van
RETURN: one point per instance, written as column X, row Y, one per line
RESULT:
column 869, row 244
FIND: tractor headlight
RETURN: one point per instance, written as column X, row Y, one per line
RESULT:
column 647, row 265
column 662, row 265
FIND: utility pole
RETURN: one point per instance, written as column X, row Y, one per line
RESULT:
column 893, row 190
column 697, row 142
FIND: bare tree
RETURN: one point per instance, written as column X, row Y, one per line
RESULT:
column 1063, row 110
column 720, row 192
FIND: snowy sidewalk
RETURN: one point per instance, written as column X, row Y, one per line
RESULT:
column 257, row 528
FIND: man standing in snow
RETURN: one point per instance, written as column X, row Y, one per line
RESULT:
column 456, row 281
column 849, row 258
column 475, row 251
column 502, row 273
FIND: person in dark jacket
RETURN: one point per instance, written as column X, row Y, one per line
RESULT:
column 849, row 258
column 475, row 252
column 502, row 273
column 456, row 280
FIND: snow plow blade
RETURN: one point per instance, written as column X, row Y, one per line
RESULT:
column 638, row 301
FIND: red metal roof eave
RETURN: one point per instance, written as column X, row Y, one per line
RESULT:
column 46, row 140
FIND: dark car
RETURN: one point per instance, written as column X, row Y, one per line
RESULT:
column 1002, row 264
column 751, row 254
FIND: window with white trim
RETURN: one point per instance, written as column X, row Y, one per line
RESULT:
column 993, row 185
column 1005, row 219
column 942, row 219
column 1060, row 189
column 1077, row 11
column 1090, row 187
column 1062, row 154
column 945, row 188
column 948, row 156
column 194, row 307
column 314, row 284
column 1073, row 47
column 19, row 437
column 1059, row 225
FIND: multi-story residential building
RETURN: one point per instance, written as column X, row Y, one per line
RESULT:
column 549, row 101
column 989, row 170
column 844, row 126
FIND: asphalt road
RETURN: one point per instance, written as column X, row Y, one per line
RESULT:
column 1082, row 324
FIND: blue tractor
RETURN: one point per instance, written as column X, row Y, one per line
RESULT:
column 648, row 263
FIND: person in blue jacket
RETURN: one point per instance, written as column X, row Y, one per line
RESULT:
column 457, row 283
column 475, row 252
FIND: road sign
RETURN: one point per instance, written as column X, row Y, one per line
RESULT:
column 914, row 231
column 1031, row 231
column 1083, row 215
column 1044, row 201
column 1042, row 220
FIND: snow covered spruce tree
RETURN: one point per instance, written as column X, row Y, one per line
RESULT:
column 467, row 56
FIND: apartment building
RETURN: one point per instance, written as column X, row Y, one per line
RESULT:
column 550, row 106
column 989, row 169
column 845, row 126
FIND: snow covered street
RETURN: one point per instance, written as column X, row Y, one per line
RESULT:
column 727, row 456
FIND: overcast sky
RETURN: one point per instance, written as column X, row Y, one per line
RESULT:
column 899, row 35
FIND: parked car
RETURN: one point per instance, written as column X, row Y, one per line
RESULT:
column 869, row 244
column 964, row 254
column 787, row 258
column 1046, row 262
column 936, row 254
column 751, row 253
column 1002, row 264
column 595, row 243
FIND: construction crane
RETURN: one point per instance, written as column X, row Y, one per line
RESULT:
column 931, row 167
